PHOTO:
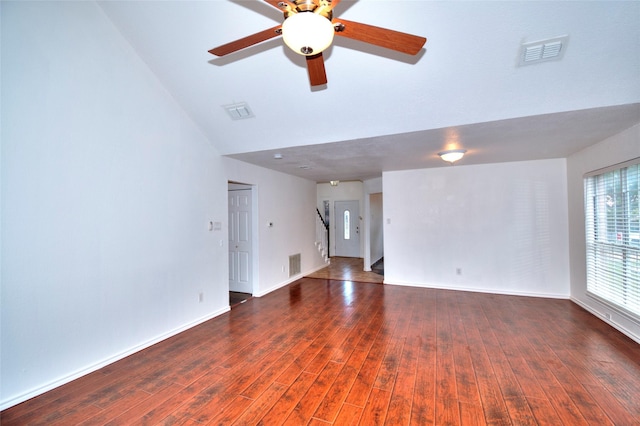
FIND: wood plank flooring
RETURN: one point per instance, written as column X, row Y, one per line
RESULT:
column 348, row 269
column 326, row 352
column 236, row 297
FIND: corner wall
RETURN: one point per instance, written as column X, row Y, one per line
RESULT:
column 289, row 203
column 107, row 192
column 499, row 228
column 617, row 149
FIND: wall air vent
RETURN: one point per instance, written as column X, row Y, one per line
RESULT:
column 544, row 50
column 238, row 111
column 294, row 265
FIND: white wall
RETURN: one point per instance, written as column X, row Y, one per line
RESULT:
column 107, row 191
column 345, row 191
column 289, row 203
column 503, row 225
column 617, row 149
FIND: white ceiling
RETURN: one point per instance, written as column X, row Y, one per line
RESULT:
column 385, row 111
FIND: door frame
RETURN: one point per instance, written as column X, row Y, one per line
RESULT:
column 231, row 185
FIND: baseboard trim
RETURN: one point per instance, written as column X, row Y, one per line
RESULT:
column 279, row 285
column 83, row 372
column 289, row 281
column 481, row 290
column 601, row 316
column 316, row 269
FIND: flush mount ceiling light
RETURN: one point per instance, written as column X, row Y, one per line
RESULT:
column 452, row 155
column 307, row 33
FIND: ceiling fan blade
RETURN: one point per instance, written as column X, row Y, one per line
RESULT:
column 277, row 3
column 315, row 66
column 282, row 5
column 245, row 42
column 394, row 40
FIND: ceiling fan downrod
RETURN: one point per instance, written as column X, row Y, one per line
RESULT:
column 319, row 7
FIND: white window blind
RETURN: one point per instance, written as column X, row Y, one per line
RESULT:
column 613, row 236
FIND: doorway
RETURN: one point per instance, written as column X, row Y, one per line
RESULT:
column 240, row 241
column 347, row 221
column 376, row 233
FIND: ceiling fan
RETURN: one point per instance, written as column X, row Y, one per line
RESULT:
column 309, row 27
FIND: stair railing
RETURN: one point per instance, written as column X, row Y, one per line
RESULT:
column 322, row 235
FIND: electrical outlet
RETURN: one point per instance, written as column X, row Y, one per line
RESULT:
column 458, row 271
column 200, row 297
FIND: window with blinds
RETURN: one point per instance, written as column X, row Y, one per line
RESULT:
column 613, row 236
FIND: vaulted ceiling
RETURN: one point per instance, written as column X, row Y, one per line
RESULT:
column 383, row 110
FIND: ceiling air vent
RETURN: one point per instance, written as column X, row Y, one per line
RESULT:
column 238, row 111
column 543, row 50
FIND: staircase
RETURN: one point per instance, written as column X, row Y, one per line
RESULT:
column 322, row 237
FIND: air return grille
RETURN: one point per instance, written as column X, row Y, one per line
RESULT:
column 294, row 265
column 544, row 50
column 239, row 111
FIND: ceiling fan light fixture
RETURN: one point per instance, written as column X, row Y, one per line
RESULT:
column 307, row 33
column 452, row 155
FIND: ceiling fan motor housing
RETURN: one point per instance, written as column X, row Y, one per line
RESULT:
column 320, row 7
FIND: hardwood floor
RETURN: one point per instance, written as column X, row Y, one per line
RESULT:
column 324, row 352
column 236, row 297
column 348, row 269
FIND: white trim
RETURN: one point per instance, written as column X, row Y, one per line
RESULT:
column 289, row 281
column 601, row 316
column 480, row 290
column 90, row 369
column 620, row 310
column 278, row 286
column 316, row 269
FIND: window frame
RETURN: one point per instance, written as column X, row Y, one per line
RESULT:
column 600, row 249
column 346, row 224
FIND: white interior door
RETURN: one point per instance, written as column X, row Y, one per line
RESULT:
column 347, row 222
column 240, row 241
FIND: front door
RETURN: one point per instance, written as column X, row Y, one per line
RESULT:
column 240, row 241
column 347, row 228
